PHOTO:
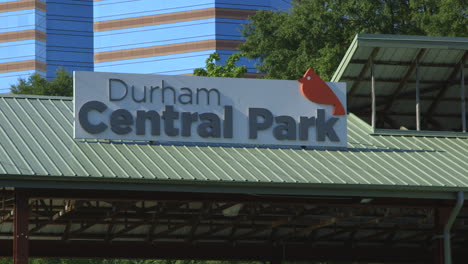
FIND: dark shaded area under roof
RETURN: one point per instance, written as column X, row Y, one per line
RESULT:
column 394, row 57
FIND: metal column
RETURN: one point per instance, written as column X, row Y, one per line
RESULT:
column 462, row 95
column 448, row 227
column 373, row 94
column 418, row 114
column 441, row 217
column 20, row 232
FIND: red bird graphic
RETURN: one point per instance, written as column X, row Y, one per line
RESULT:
column 316, row 90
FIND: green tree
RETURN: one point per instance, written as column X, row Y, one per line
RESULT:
column 317, row 33
column 213, row 69
column 61, row 85
column 441, row 17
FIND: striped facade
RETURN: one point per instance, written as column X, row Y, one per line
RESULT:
column 139, row 36
column 22, row 40
column 69, row 35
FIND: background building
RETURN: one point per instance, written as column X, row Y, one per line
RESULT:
column 140, row 36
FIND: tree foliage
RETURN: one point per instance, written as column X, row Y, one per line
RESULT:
column 213, row 69
column 317, row 33
column 61, row 85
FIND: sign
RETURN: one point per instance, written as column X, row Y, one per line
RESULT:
column 191, row 109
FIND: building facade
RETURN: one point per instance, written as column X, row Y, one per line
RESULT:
column 140, row 36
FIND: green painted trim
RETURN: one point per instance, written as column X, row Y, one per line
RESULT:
column 413, row 133
column 425, row 192
column 345, row 61
column 40, row 97
column 408, row 41
column 397, row 41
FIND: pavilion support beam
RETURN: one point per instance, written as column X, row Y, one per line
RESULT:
column 373, row 103
column 418, row 97
column 463, row 96
column 20, row 232
column 363, row 72
column 405, row 79
column 444, row 89
column 441, row 216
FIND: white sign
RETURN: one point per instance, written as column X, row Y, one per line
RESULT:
column 192, row 109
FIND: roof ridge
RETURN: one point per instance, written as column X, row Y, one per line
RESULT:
column 40, row 97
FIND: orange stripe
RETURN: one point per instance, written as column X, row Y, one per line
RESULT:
column 22, row 35
column 172, row 18
column 23, row 66
column 22, row 5
column 166, row 50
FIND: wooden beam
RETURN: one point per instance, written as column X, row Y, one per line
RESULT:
column 81, row 229
column 66, row 232
column 405, row 78
column 392, row 123
column 463, row 97
column 20, row 232
column 68, row 208
column 6, row 217
column 363, row 72
column 204, row 212
column 274, row 225
column 444, row 89
column 310, row 228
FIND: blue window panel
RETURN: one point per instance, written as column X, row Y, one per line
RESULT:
column 70, row 63
column 156, row 35
column 70, row 56
column 229, row 28
column 17, row 20
column 73, row 8
column 11, row 78
column 224, row 54
column 110, row 10
column 155, row 43
column 155, row 27
column 52, row 69
column 67, row 40
column 256, row 5
column 69, row 17
column 251, row 5
column 22, row 50
column 165, row 57
column 69, row 35
column 40, row 20
column 70, row 25
column 160, row 64
column 41, row 51
column 281, row 4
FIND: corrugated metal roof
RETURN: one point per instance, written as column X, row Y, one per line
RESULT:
column 393, row 57
column 37, row 144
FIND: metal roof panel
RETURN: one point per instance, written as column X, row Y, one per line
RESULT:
column 37, row 142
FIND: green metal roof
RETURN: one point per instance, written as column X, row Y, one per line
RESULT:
column 37, row 150
column 394, row 57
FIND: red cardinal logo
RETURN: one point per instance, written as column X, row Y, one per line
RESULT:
column 316, row 90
